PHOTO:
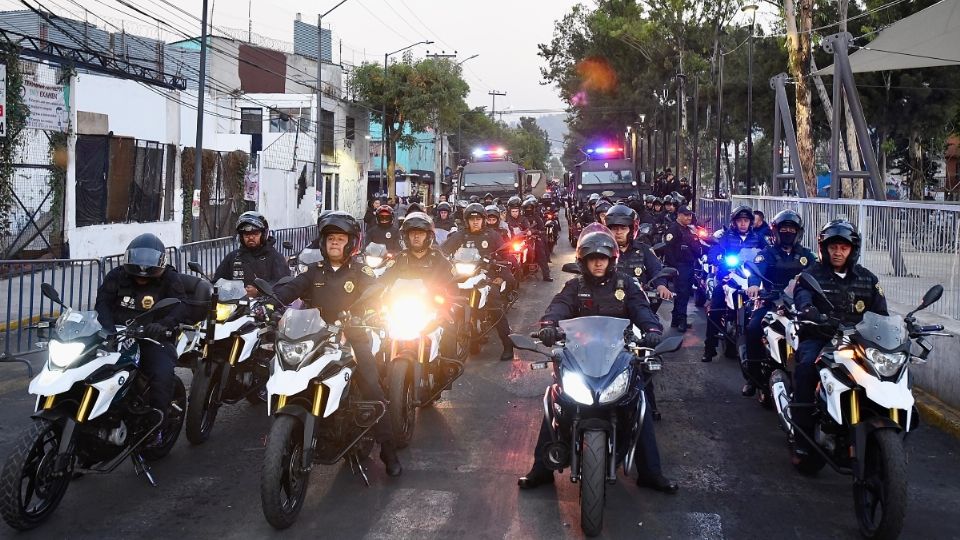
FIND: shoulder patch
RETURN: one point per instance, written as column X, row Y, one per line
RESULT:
column 669, row 237
column 759, row 259
column 367, row 270
column 879, row 289
column 390, row 263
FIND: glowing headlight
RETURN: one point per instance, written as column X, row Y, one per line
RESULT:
column 293, row 354
column 407, row 317
column 64, row 354
column 372, row 261
column 886, row 364
column 465, row 269
column 616, row 389
column 574, row 387
column 224, row 311
column 731, row 261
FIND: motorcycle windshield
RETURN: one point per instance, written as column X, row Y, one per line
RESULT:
column 309, row 256
column 466, row 255
column 594, row 227
column 594, row 342
column 73, row 325
column 230, row 289
column 375, row 250
column 442, row 235
column 887, row 332
column 300, row 323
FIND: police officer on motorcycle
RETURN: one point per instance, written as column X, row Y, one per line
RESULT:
column 134, row 287
column 852, row 289
column 682, row 252
column 492, row 221
column 332, row 286
column 444, row 216
column 514, row 221
column 601, row 290
column 256, row 257
column 534, row 224
column 777, row 265
column 488, row 243
column 385, row 231
column 737, row 236
column 636, row 258
column 588, row 213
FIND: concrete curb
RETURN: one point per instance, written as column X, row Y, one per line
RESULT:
column 937, row 413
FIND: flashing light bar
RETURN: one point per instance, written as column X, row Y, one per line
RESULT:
column 731, row 260
column 603, row 150
column 487, row 152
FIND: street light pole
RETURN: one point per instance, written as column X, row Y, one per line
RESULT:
column 681, row 79
column 752, row 10
column 716, row 169
column 318, row 162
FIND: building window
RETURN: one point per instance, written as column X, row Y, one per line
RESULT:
column 251, row 121
column 351, row 131
column 328, row 123
column 331, row 191
column 289, row 120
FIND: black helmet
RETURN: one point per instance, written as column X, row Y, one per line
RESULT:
column 787, row 216
column 839, row 230
column 491, row 210
column 597, row 242
column 649, row 199
column 658, row 200
column 602, row 207
column 441, row 206
column 529, row 205
column 473, row 209
column 252, row 221
column 384, row 210
column 145, row 257
column 474, row 198
column 622, row 215
column 341, row 222
column 413, row 208
column 514, row 202
column 418, row 221
column 741, row 211
column 594, row 198
column 670, row 199
column 488, row 195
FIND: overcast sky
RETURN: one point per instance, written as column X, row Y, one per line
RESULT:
column 505, row 34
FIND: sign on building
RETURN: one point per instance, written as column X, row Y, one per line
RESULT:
column 48, row 108
column 3, row 100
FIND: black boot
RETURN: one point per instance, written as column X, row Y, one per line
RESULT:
column 388, row 455
column 507, row 353
column 657, row 482
column 537, row 477
column 749, row 389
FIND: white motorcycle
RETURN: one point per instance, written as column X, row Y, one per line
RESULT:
column 476, row 285
column 92, row 413
column 318, row 414
column 863, row 409
column 377, row 258
column 738, row 307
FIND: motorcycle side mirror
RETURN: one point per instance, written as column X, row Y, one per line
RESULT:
column 284, row 280
column 666, row 272
column 195, row 267
column 164, row 304
column 669, row 345
column 521, row 341
column 929, row 298
column 659, row 246
column 287, row 244
column 51, row 293
column 570, row 268
column 263, row 286
column 811, row 283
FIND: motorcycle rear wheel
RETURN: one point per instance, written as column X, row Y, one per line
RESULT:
column 172, row 423
column 883, row 489
column 283, row 483
column 28, row 492
column 593, row 484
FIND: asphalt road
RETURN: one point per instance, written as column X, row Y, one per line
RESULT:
column 460, row 472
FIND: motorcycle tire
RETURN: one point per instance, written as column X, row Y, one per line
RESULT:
column 700, row 297
column 883, row 489
column 172, row 424
column 201, row 412
column 30, row 461
column 403, row 413
column 283, row 484
column 811, row 464
column 593, row 481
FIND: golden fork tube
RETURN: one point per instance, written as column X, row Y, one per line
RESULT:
column 48, row 402
column 422, row 352
column 895, row 415
column 281, row 401
column 317, row 399
column 854, row 407
column 85, row 404
column 474, row 298
column 235, row 351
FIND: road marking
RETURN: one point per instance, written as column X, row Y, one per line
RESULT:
column 413, row 512
column 704, row 526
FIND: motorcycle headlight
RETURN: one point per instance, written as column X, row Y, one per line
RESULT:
column 64, row 354
column 407, row 317
column 576, row 388
column 224, row 311
column 518, row 246
column 293, row 353
column 373, row 261
column 886, row 364
column 731, row 261
column 465, row 269
column 616, row 389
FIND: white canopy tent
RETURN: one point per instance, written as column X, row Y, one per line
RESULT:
column 928, row 38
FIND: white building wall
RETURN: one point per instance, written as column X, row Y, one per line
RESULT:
column 278, row 199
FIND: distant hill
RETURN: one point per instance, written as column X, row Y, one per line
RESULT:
column 556, row 126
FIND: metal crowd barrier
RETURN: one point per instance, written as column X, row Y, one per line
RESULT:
column 713, row 212
column 299, row 237
column 24, row 306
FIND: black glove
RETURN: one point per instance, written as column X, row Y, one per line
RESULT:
column 155, row 331
column 651, row 339
column 811, row 313
column 549, row 335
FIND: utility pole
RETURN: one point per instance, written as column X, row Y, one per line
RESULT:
column 198, row 147
column 318, row 162
column 695, row 162
column 494, row 94
column 681, row 79
column 438, row 178
column 751, row 9
column 716, row 169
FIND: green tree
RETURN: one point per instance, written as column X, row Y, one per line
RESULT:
column 423, row 94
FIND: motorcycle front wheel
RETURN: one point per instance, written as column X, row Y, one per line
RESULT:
column 402, row 412
column 880, row 497
column 593, row 482
column 201, row 409
column 29, row 490
column 283, row 482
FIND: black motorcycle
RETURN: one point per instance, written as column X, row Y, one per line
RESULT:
column 596, row 404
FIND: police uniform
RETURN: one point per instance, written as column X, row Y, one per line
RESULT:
column 730, row 243
column 120, row 299
column 853, row 294
column 445, row 224
column 388, row 236
column 779, row 267
column 682, row 252
column 244, row 264
column 333, row 291
column 535, row 223
column 639, row 260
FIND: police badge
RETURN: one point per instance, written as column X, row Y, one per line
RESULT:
column 860, row 306
column 759, row 259
column 389, row 234
column 348, row 286
column 669, row 237
column 484, row 244
column 147, row 302
column 620, row 295
column 368, row 271
column 638, row 271
column 803, row 261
